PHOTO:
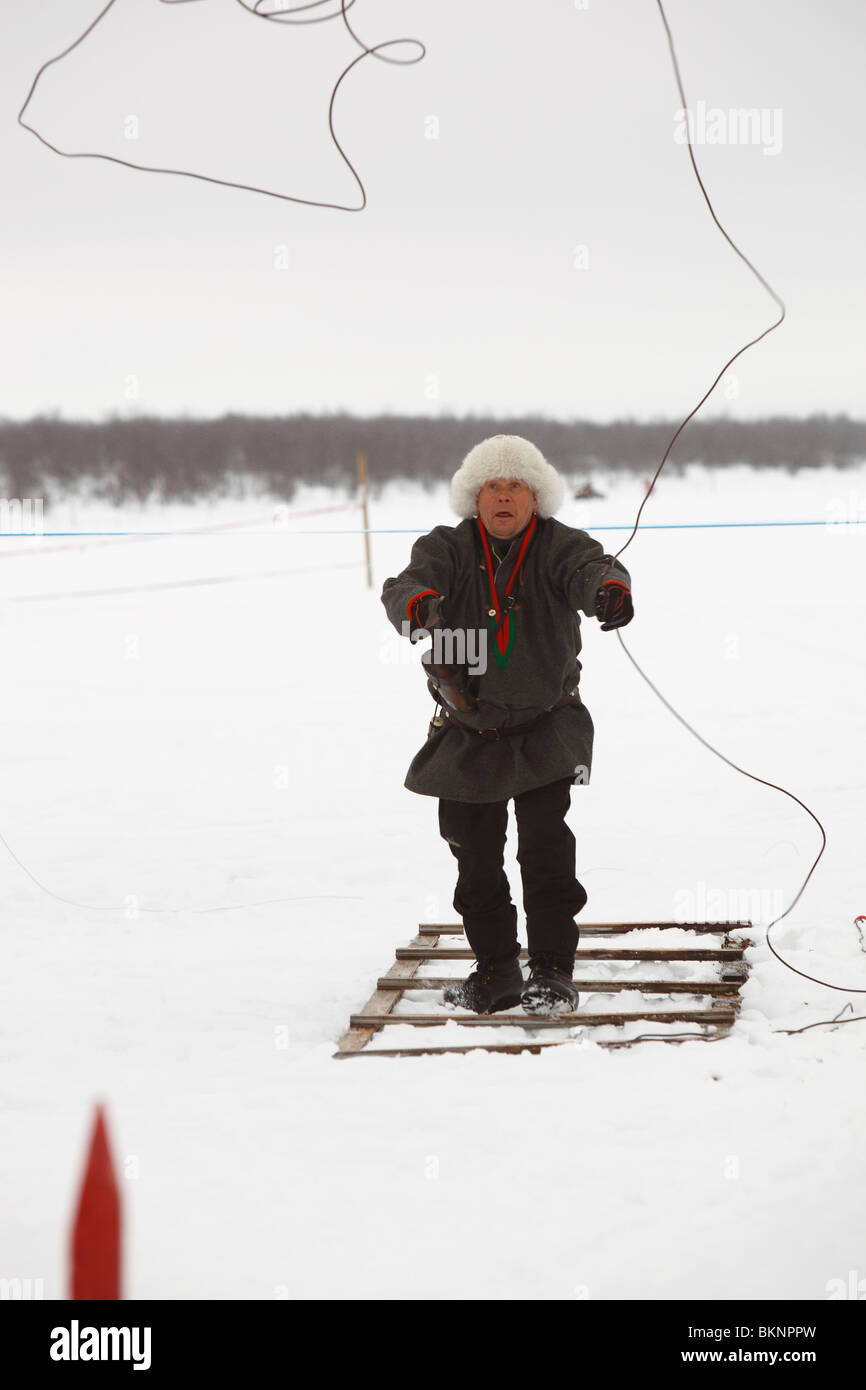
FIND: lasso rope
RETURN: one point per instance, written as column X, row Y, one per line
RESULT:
column 848, row 989
column 284, row 14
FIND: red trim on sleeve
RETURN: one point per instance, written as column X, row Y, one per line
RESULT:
column 421, row 594
column 617, row 584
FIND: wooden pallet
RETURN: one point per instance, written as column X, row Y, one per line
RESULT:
column 710, row 1020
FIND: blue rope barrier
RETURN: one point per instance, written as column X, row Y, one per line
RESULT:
column 404, row 530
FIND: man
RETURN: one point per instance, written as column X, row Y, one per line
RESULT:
column 500, row 594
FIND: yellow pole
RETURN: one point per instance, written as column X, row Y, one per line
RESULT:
column 362, row 480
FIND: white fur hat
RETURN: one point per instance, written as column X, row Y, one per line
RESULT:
column 506, row 456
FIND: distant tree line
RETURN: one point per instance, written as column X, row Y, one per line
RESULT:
column 124, row 458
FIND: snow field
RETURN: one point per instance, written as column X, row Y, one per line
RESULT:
column 245, row 741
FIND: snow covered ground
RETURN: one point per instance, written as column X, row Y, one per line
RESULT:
column 205, row 722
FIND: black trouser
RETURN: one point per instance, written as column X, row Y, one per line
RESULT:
column 475, row 832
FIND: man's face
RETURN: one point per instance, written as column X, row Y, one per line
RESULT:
column 505, row 506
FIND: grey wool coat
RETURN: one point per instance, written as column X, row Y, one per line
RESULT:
column 532, row 645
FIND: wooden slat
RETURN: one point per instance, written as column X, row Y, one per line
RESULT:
column 537, row 1021
column 591, row 953
column 609, row 928
column 533, row 1046
column 380, row 1003
column 722, row 987
column 464, row 1047
column 443, row 1051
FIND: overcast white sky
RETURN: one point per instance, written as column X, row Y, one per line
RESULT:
column 457, row 288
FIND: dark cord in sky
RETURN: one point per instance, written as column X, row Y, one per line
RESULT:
column 295, row 14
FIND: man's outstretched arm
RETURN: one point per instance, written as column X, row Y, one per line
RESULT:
column 594, row 582
column 414, row 595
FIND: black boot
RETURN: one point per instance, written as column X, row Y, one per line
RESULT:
column 550, row 989
column 493, row 985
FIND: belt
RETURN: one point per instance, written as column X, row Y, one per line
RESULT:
column 492, row 735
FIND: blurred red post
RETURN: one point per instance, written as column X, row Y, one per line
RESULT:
column 95, row 1251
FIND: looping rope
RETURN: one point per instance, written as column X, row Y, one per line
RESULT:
column 848, row 989
column 283, row 14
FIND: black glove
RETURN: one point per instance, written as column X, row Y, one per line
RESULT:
column 429, row 610
column 613, row 605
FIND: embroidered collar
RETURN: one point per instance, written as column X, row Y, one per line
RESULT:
column 501, row 615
